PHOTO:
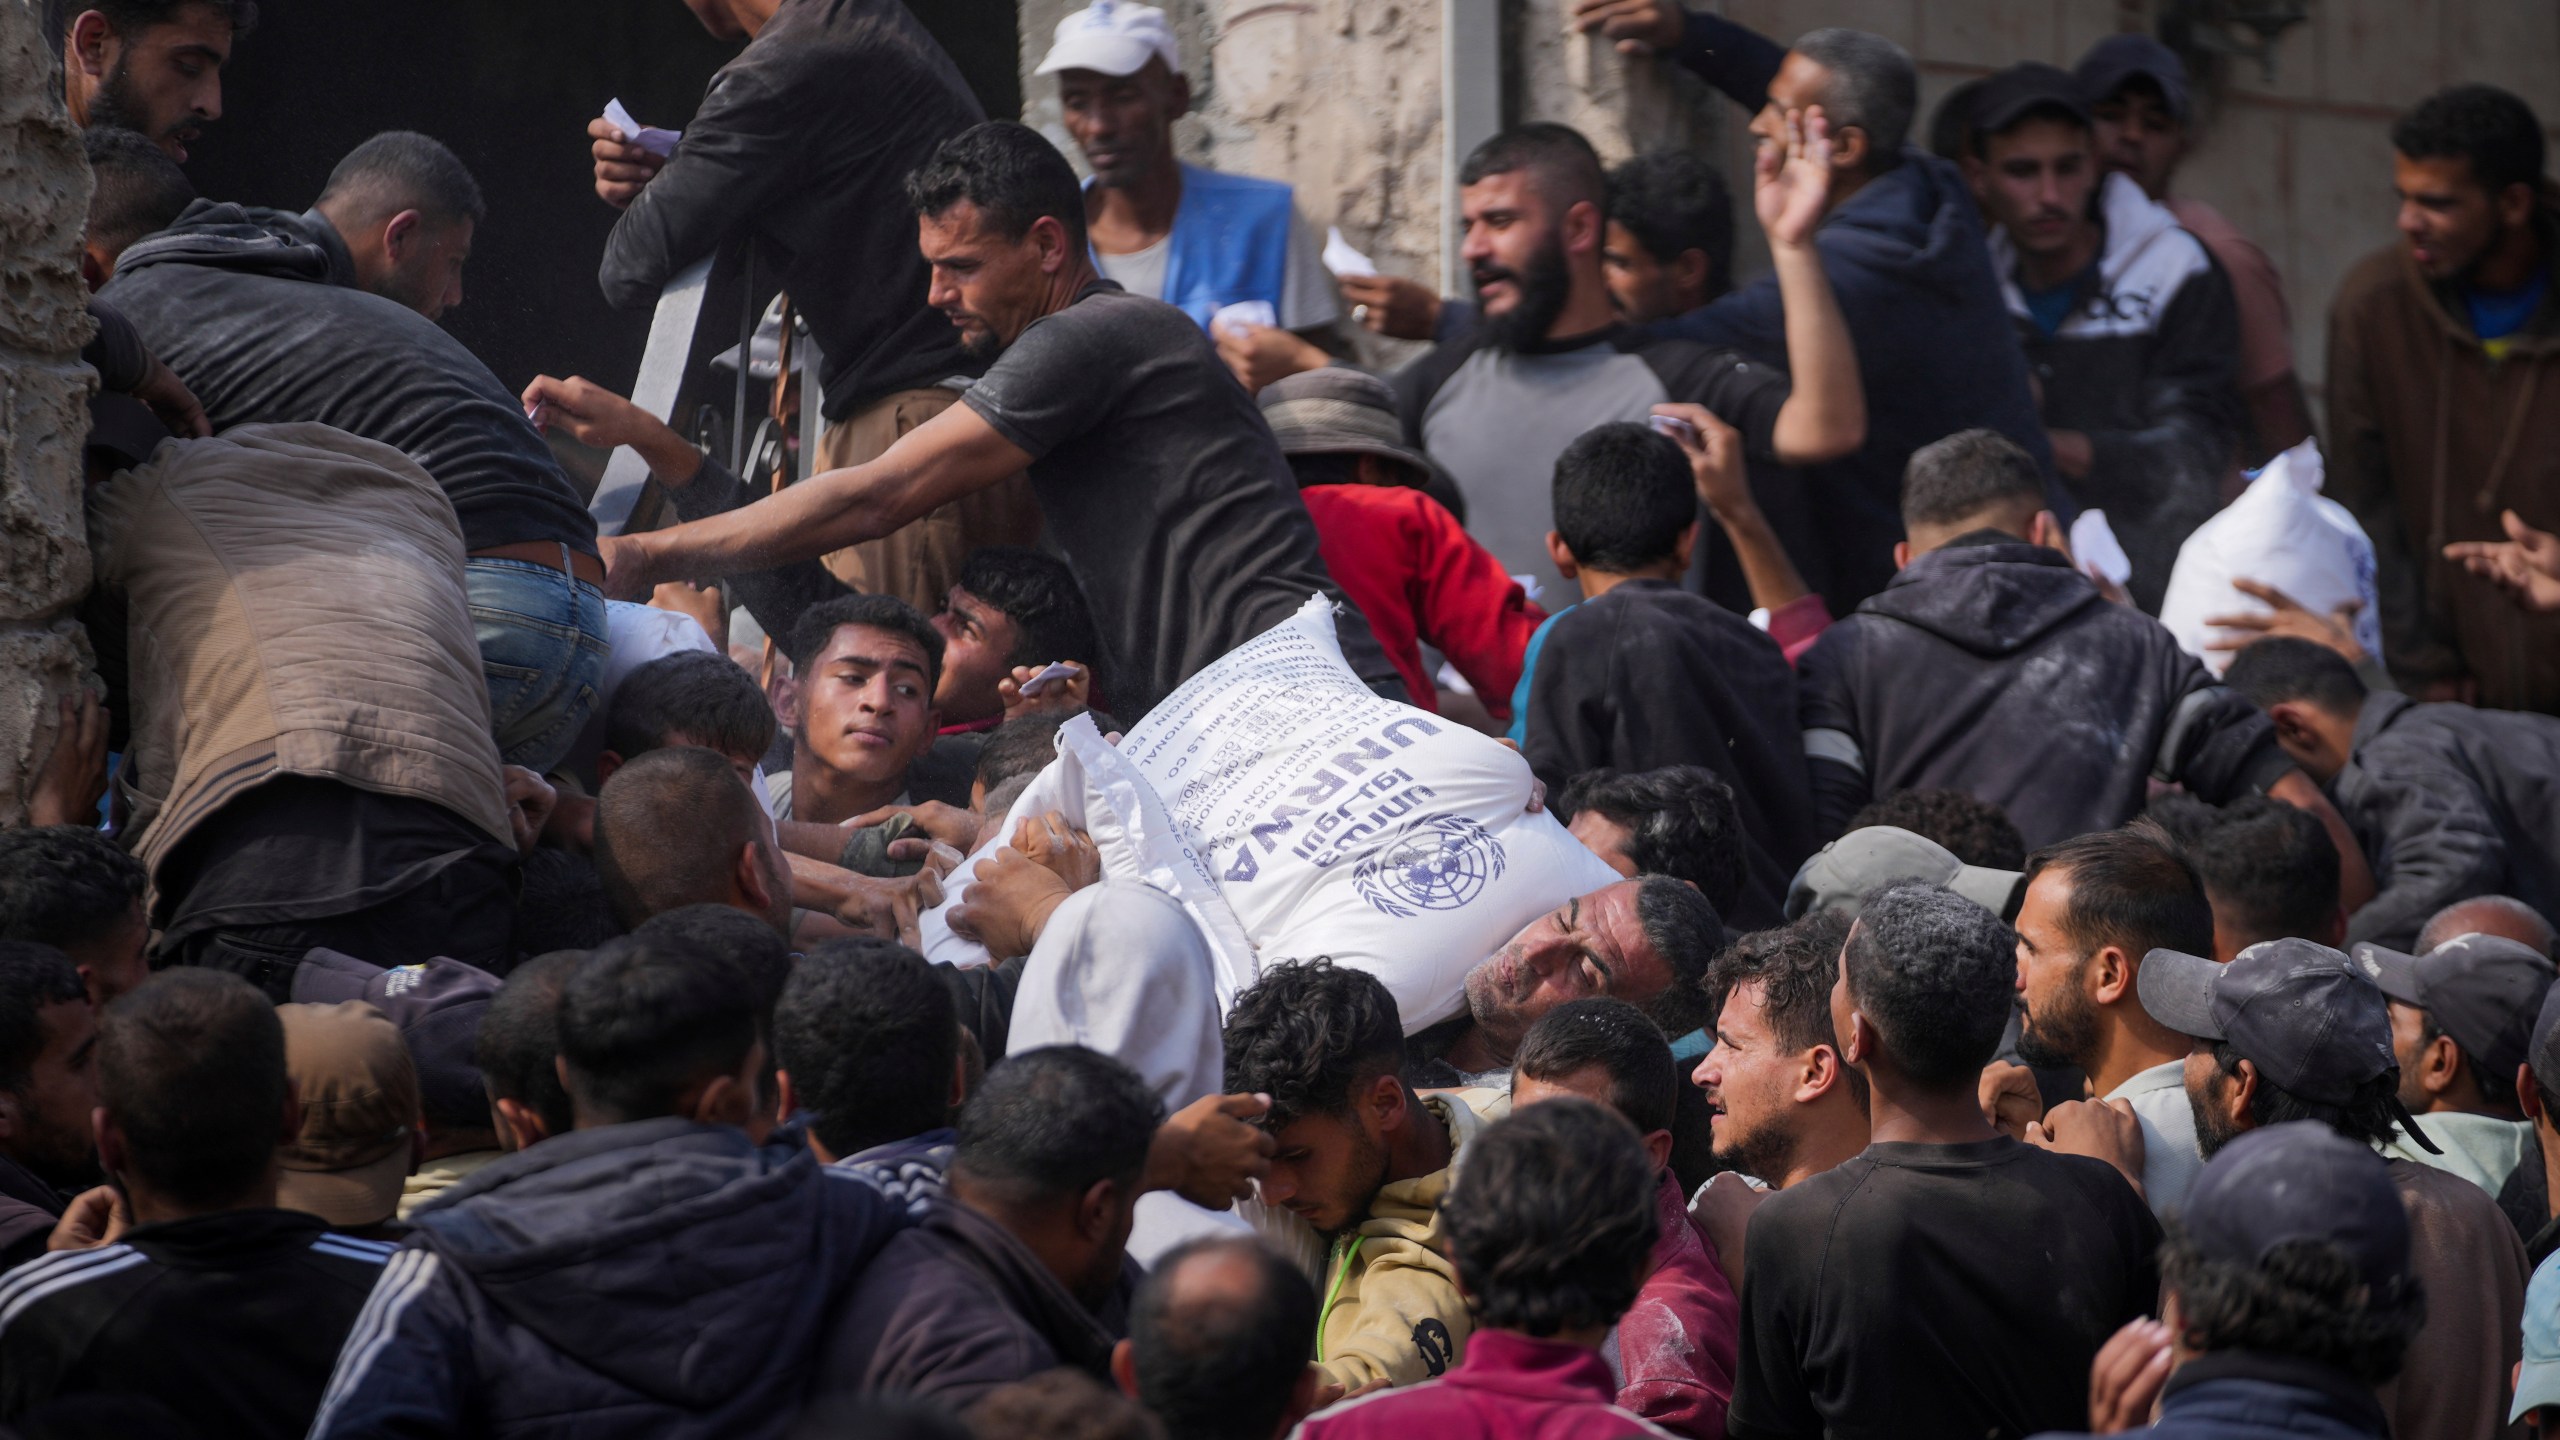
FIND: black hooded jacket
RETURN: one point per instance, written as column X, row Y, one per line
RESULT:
column 2451, row 803
column 660, row 1279
column 257, row 312
column 1991, row 666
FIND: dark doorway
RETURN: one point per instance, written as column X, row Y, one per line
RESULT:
column 510, row 85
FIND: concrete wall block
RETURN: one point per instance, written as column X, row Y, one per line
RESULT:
column 38, row 664
column 1625, row 105
column 2513, row 46
column 44, row 198
column 2342, row 211
column 2380, row 52
column 1988, row 33
column 44, row 549
column 2079, row 24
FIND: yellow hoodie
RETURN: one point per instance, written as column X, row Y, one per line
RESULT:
column 1392, row 1309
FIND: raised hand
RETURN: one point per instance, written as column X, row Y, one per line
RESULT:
column 1791, row 183
column 2526, row 564
column 623, row 169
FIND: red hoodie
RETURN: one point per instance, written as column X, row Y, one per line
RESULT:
column 1418, row 576
column 1675, row 1349
column 1510, row 1387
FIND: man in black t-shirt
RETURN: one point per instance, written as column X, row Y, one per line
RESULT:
column 1949, row 1281
column 1160, row 480
column 1550, row 359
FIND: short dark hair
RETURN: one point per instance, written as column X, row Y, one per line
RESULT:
column 1010, row 172
column 2281, row 668
column 2269, row 868
column 1052, row 1122
column 191, row 1068
column 2369, row 1117
column 1936, row 974
column 137, row 188
column 744, row 940
column 1951, row 124
column 1308, row 1034
column 1685, row 929
column 1673, row 202
column 2130, row 888
column 1976, row 832
column 1681, row 821
column 1965, row 474
column 132, row 17
column 869, row 1034
column 1644, row 1084
column 404, row 170
column 1224, row 1371
column 1623, row 497
column 706, row 698
column 1039, row 594
column 65, row 885
column 819, row 623
column 1552, row 1218
column 1023, row 745
column 1874, row 87
column 2483, row 124
column 645, row 1018
column 519, row 1039
column 33, row 978
column 1566, row 168
column 668, row 826
column 1795, row 965
column 2304, row 1300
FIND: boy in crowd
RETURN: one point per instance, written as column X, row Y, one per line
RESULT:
column 2454, row 801
column 1643, row 673
column 215, row 1303
column 1363, row 1159
column 1672, row 1353
column 1548, row 1233
column 1941, row 1226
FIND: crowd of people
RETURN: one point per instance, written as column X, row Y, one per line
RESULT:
column 464, row 974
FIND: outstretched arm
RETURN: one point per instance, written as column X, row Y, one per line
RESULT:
column 949, row 456
column 1825, row 416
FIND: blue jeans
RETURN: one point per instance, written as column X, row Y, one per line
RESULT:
column 543, row 646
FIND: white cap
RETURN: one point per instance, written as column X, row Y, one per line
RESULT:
column 1112, row 38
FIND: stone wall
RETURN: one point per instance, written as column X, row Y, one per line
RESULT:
column 44, row 417
column 1342, row 98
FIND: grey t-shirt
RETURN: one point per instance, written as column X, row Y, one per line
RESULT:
column 1163, row 487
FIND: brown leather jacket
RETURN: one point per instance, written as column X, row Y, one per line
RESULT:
column 2430, row 437
column 295, row 606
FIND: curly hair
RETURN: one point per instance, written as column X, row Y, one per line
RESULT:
column 1681, row 821
column 2305, row 1301
column 1976, row 832
column 1936, row 974
column 1685, row 929
column 65, row 885
column 1309, row 1034
column 1552, row 1218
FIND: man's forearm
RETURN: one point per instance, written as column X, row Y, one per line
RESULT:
column 1767, row 570
column 1733, row 58
column 1825, row 416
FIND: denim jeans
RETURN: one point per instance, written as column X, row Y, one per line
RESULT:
column 543, row 646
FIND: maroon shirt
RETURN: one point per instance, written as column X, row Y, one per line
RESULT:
column 1510, row 1387
column 1674, row 1350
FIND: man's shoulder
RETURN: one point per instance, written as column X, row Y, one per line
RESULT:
column 2377, row 282
column 38, row 1295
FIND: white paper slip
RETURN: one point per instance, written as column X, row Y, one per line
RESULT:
column 1345, row 262
column 647, row 137
column 1242, row 313
column 1528, row 586
column 2094, row 545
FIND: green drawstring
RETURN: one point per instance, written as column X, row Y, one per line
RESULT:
column 1341, row 1273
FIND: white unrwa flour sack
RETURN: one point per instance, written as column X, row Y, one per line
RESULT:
column 1296, row 814
column 2280, row 532
column 1337, row 823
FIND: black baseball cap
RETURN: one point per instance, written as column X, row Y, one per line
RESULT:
column 2014, row 93
column 2482, row 990
column 2312, row 1022
column 2118, row 58
column 437, row 1005
column 2299, row 1181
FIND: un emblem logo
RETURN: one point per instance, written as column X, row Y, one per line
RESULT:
column 1439, row 862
